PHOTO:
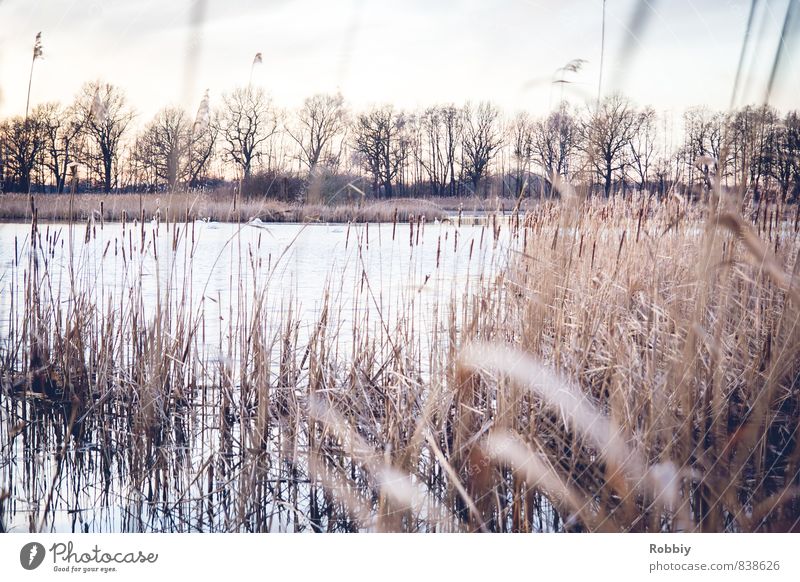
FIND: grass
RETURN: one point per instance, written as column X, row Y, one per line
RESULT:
column 218, row 206
column 624, row 365
column 659, row 351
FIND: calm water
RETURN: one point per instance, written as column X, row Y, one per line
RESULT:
column 210, row 266
column 213, row 271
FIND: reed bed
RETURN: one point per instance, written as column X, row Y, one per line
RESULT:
column 605, row 365
column 214, row 206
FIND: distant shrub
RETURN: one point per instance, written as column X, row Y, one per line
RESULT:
column 272, row 184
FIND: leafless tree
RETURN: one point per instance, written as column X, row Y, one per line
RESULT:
column 174, row 148
column 380, row 142
column 481, row 140
column 106, row 117
column 443, row 149
column 245, row 121
column 319, row 122
column 24, row 140
column 440, row 131
column 202, row 147
column 164, row 145
column 642, row 146
column 749, row 132
column 553, row 142
column 705, row 148
column 521, row 130
column 783, row 153
column 605, row 136
column 63, row 129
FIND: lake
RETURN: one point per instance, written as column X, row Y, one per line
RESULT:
column 381, row 289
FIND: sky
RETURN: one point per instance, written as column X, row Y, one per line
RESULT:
column 411, row 53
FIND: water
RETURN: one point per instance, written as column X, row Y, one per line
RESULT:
column 213, row 264
column 375, row 280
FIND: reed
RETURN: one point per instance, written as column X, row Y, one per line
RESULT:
column 217, row 206
column 605, row 365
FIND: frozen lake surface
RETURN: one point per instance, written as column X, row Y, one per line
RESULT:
column 371, row 281
column 211, row 266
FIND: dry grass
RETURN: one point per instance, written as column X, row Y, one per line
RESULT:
column 636, row 367
column 217, row 206
column 657, row 352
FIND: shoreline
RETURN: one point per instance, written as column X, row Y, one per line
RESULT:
column 180, row 207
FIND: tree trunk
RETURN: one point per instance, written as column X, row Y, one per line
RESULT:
column 25, row 181
column 107, row 176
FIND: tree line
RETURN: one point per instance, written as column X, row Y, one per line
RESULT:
column 325, row 150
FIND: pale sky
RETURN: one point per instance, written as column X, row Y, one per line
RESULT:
column 410, row 53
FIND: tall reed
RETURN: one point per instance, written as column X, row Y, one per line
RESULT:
column 603, row 365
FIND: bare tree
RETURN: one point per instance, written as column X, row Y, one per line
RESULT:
column 174, row 148
column 245, row 121
column 440, row 134
column 704, row 135
column 783, row 153
column 164, row 145
column 443, row 150
column 481, row 140
column 24, row 141
column 63, row 128
column 766, row 121
column 202, row 145
column 642, row 146
column 321, row 119
column 553, row 142
column 521, row 131
column 749, row 131
column 380, row 142
column 105, row 119
column 605, row 136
